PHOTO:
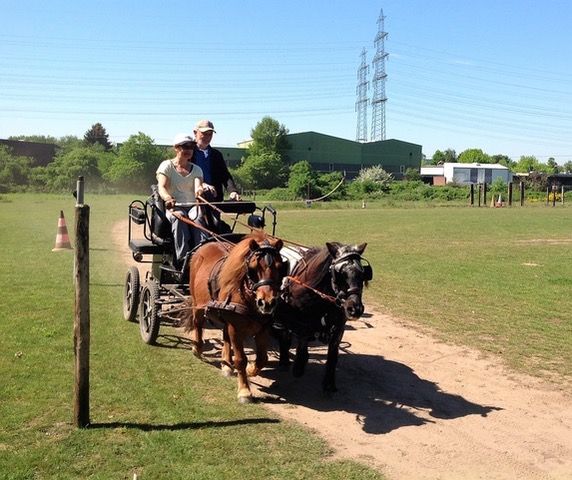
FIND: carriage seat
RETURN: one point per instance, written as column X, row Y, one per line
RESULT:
column 146, row 247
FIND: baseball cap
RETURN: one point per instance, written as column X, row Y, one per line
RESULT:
column 205, row 126
column 181, row 138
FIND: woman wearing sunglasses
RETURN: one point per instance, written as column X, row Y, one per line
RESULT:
column 180, row 181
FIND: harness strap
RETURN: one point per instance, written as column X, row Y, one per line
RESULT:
column 218, row 306
column 317, row 292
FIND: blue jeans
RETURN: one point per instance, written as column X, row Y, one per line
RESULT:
column 186, row 236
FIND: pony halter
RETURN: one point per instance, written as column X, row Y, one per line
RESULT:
column 336, row 267
column 269, row 254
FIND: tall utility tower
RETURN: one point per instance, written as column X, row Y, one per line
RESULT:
column 362, row 100
column 379, row 78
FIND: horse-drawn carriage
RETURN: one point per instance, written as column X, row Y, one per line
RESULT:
column 161, row 295
column 249, row 284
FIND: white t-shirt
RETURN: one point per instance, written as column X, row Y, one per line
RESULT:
column 182, row 188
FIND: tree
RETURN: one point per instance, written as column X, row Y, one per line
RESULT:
column 504, row 160
column 264, row 170
column 301, row 179
column 412, row 174
column 528, row 164
column 448, row 156
column 135, row 166
column 567, row 167
column 268, row 136
column 552, row 165
column 69, row 143
column 34, row 138
column 97, row 135
column 264, row 165
column 14, row 171
column 329, row 184
column 474, row 155
column 61, row 175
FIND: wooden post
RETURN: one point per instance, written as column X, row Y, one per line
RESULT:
column 562, row 195
column 521, row 194
column 472, row 196
column 485, row 194
column 81, row 321
column 509, row 194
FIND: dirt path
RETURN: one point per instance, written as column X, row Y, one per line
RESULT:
column 416, row 408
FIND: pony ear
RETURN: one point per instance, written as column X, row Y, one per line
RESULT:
column 361, row 248
column 279, row 244
column 253, row 245
column 332, row 248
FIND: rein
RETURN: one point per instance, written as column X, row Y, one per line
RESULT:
column 323, row 295
column 215, row 235
column 230, row 217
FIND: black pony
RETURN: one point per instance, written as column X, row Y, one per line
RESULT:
column 323, row 290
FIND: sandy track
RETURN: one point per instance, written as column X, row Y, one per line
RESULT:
column 416, row 408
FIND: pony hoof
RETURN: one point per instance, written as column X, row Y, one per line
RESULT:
column 197, row 353
column 252, row 371
column 226, row 371
column 245, row 400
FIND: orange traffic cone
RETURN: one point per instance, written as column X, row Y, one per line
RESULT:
column 62, row 238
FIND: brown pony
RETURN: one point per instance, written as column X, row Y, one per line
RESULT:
column 237, row 288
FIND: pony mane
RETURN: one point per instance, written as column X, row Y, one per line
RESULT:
column 318, row 261
column 233, row 270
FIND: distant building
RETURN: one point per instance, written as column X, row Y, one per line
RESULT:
column 465, row 173
column 332, row 154
column 42, row 153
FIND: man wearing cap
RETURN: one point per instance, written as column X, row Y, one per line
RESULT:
column 211, row 161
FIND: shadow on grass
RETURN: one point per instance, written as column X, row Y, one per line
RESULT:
column 183, row 426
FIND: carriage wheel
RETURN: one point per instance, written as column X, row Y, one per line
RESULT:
column 131, row 294
column 149, row 312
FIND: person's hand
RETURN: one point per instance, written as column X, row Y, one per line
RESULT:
column 235, row 196
column 209, row 188
column 170, row 203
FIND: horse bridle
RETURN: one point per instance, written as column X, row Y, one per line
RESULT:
column 336, row 266
column 270, row 254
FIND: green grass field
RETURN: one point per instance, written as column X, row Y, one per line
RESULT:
column 495, row 279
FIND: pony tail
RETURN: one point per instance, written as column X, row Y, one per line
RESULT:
column 187, row 316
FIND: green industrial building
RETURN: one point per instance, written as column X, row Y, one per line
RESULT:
column 331, row 154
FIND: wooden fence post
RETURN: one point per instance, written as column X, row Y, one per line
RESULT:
column 82, row 320
column 485, row 194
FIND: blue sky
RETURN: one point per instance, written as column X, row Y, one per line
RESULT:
column 495, row 75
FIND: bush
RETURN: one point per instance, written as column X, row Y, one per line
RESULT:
column 278, row 195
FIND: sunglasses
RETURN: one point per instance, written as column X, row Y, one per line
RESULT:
column 187, row 146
